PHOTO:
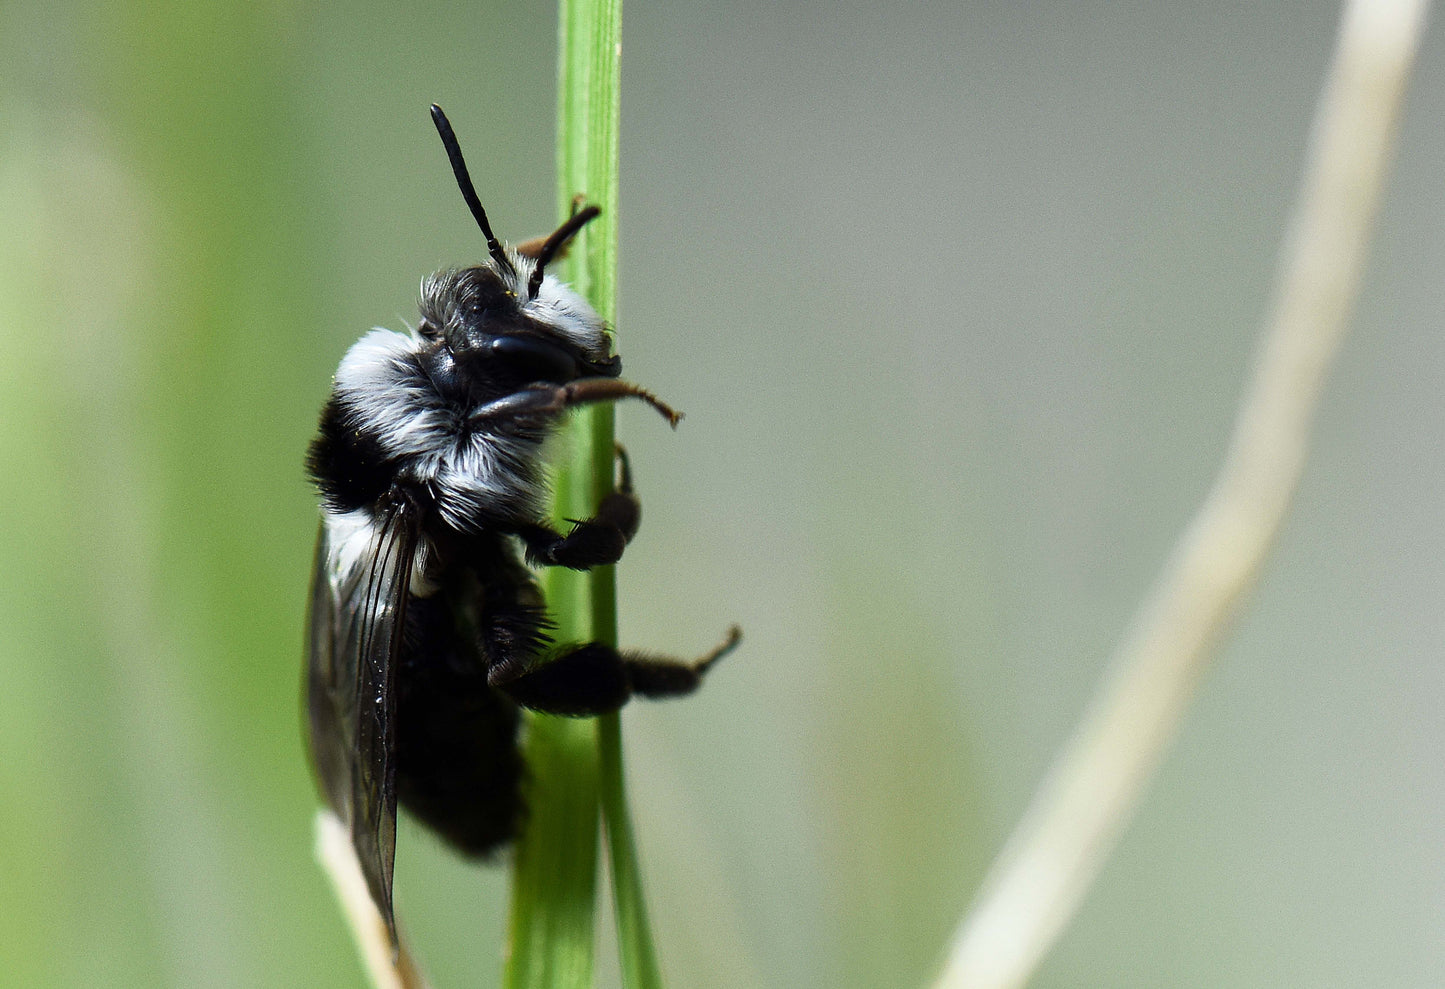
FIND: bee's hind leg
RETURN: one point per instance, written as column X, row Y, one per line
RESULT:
column 594, row 678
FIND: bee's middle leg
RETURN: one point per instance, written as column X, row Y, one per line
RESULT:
column 592, row 542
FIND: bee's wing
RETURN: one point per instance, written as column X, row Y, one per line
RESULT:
column 358, row 604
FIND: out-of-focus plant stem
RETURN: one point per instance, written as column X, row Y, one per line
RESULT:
column 1096, row 782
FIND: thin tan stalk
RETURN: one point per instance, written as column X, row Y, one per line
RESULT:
column 1090, row 794
column 337, row 855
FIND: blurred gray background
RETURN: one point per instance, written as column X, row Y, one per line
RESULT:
column 958, row 299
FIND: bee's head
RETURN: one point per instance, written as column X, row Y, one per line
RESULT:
column 507, row 318
column 489, row 326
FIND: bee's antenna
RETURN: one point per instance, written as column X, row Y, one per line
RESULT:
column 464, row 181
column 556, row 242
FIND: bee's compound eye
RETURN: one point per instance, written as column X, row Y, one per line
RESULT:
column 535, row 358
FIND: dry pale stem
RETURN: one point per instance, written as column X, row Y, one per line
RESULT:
column 335, row 852
column 1091, row 791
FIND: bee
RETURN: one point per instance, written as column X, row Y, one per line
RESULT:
column 428, row 629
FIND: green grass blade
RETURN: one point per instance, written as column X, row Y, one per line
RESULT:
column 634, row 934
column 588, row 127
column 554, row 874
column 571, row 761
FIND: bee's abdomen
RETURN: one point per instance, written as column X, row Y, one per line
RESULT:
column 458, row 767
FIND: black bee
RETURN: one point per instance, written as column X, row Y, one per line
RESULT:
column 427, row 627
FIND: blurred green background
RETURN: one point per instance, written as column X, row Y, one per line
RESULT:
column 958, row 300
